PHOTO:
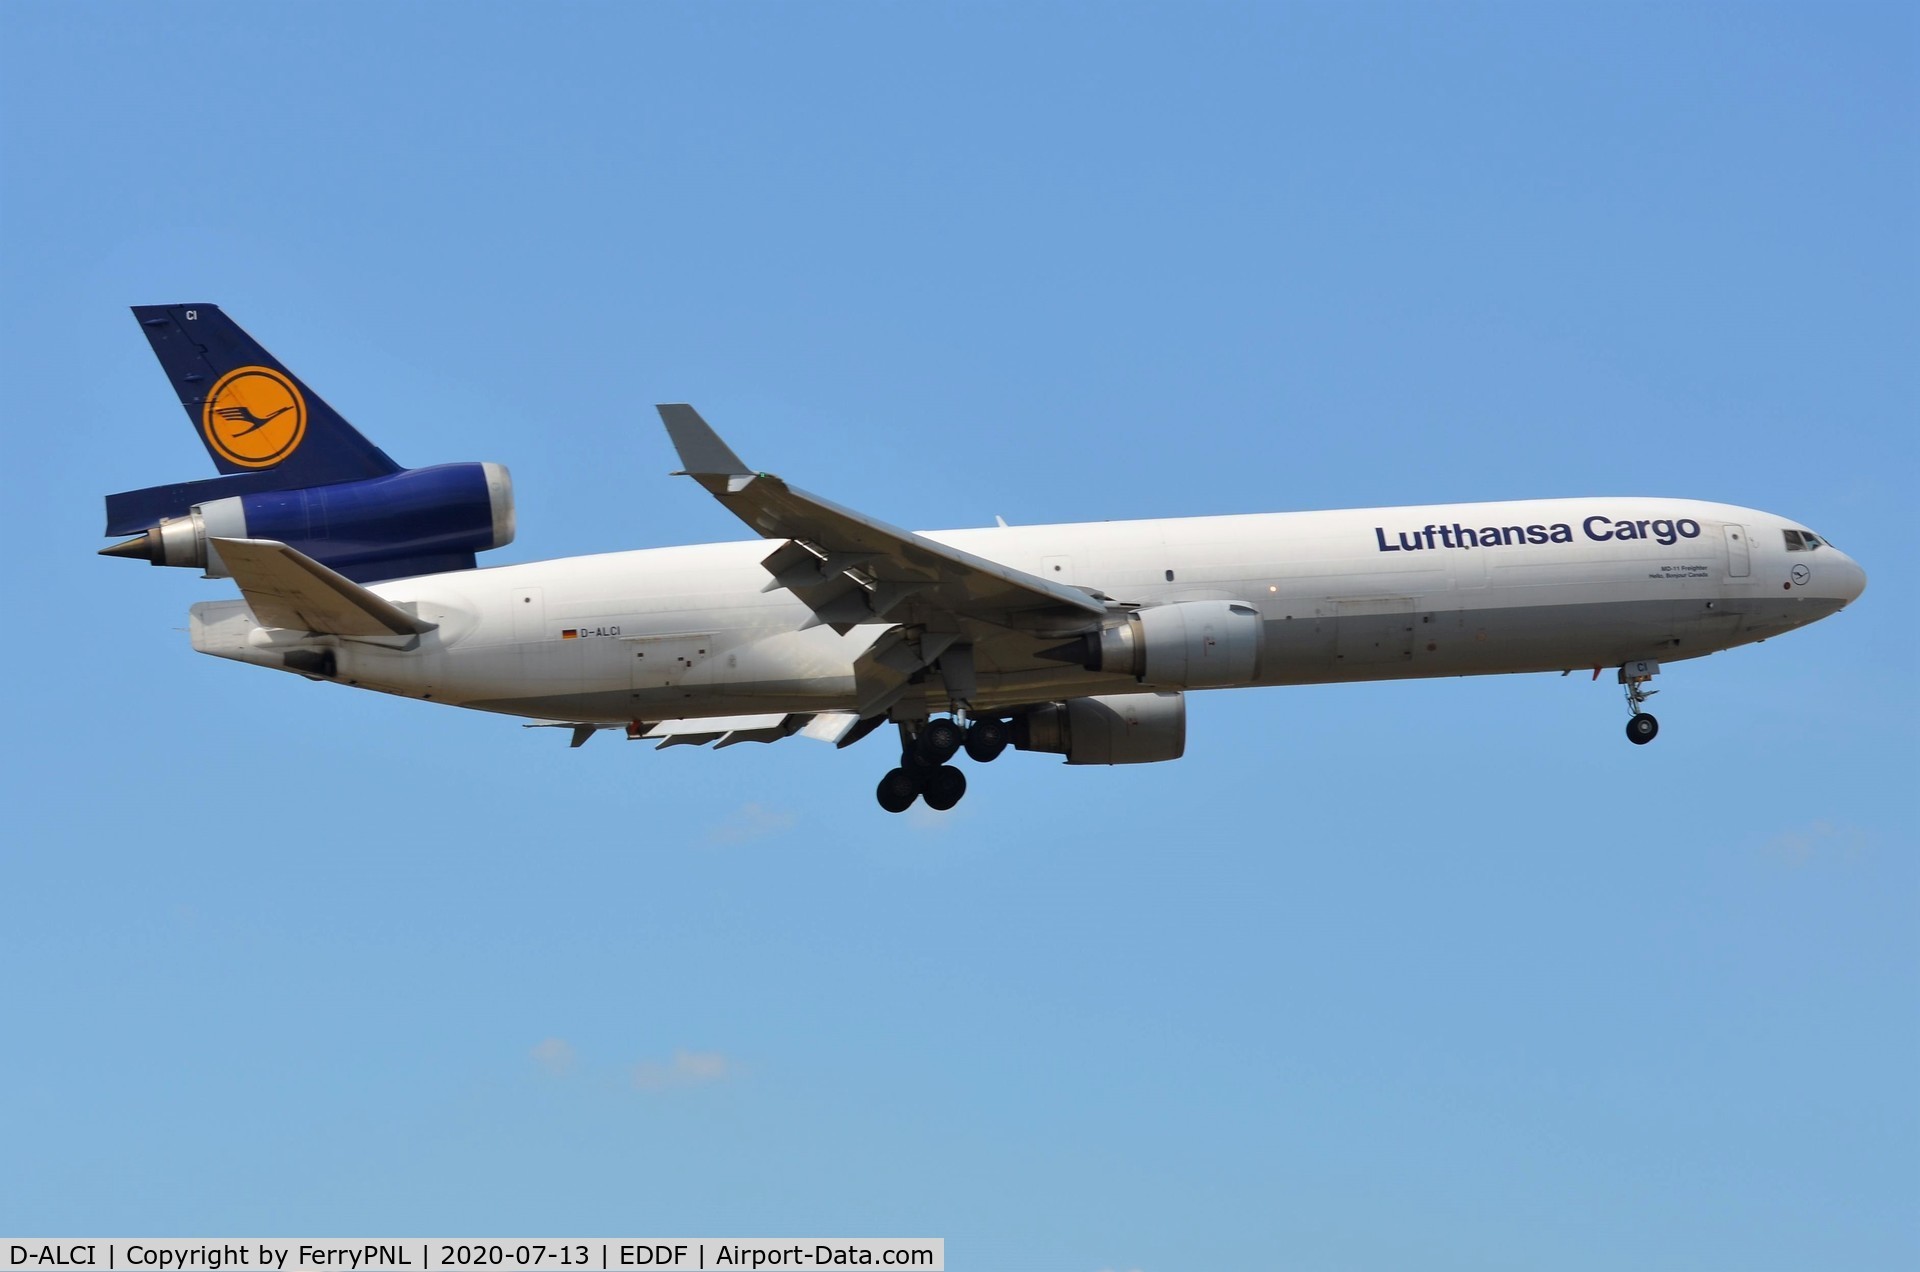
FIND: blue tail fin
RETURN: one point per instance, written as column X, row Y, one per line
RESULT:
column 252, row 414
column 294, row 472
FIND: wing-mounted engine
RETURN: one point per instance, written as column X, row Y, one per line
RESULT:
column 1187, row 645
column 415, row 521
column 1125, row 728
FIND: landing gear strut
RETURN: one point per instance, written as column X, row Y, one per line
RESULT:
column 924, row 772
column 1642, row 728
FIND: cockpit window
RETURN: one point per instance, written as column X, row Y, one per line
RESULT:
column 1811, row 541
column 1796, row 542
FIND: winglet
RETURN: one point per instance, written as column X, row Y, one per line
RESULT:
column 702, row 453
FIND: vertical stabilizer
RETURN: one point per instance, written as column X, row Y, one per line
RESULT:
column 252, row 414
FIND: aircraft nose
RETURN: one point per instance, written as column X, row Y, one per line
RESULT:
column 1855, row 582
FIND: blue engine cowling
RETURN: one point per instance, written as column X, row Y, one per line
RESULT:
column 416, row 521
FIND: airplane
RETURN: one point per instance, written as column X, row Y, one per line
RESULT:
column 1075, row 640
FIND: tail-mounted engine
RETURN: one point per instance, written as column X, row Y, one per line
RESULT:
column 294, row 471
column 415, row 521
column 1189, row 645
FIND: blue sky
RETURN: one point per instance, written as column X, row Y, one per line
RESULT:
column 1431, row 974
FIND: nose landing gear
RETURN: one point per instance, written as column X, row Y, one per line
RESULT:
column 924, row 751
column 1642, row 728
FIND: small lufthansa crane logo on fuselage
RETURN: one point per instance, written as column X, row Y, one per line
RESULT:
column 254, row 417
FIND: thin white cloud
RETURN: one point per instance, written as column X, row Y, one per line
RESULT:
column 1821, row 839
column 687, row 1068
column 752, row 821
column 554, row 1056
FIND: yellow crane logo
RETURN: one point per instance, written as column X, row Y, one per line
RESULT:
column 254, row 417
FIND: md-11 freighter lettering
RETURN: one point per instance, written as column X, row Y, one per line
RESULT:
column 1599, row 528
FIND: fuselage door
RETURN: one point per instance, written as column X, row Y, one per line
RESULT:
column 529, row 616
column 1374, row 632
column 662, row 662
column 1739, row 556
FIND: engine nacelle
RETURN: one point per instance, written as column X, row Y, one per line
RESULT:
column 1188, row 645
column 416, row 521
column 1123, row 728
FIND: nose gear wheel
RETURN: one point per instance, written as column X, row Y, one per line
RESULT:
column 1642, row 728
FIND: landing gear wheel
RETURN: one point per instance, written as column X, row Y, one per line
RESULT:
column 897, row 790
column 939, row 740
column 945, row 786
column 986, row 739
column 1642, row 729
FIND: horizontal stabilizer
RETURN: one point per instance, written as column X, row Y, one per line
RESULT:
column 286, row 589
column 132, row 511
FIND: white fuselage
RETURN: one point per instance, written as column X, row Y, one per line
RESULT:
column 1362, row 594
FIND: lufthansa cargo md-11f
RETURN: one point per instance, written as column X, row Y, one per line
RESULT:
column 1079, row 640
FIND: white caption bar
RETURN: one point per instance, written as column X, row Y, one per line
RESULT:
column 388, row 1254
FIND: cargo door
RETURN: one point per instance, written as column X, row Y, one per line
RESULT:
column 662, row 662
column 529, row 616
column 1374, row 633
column 550, row 670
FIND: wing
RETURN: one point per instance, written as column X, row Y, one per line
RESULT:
column 285, row 588
column 838, row 727
column 851, row 569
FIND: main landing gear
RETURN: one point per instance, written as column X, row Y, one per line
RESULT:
column 924, row 772
column 1642, row 728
